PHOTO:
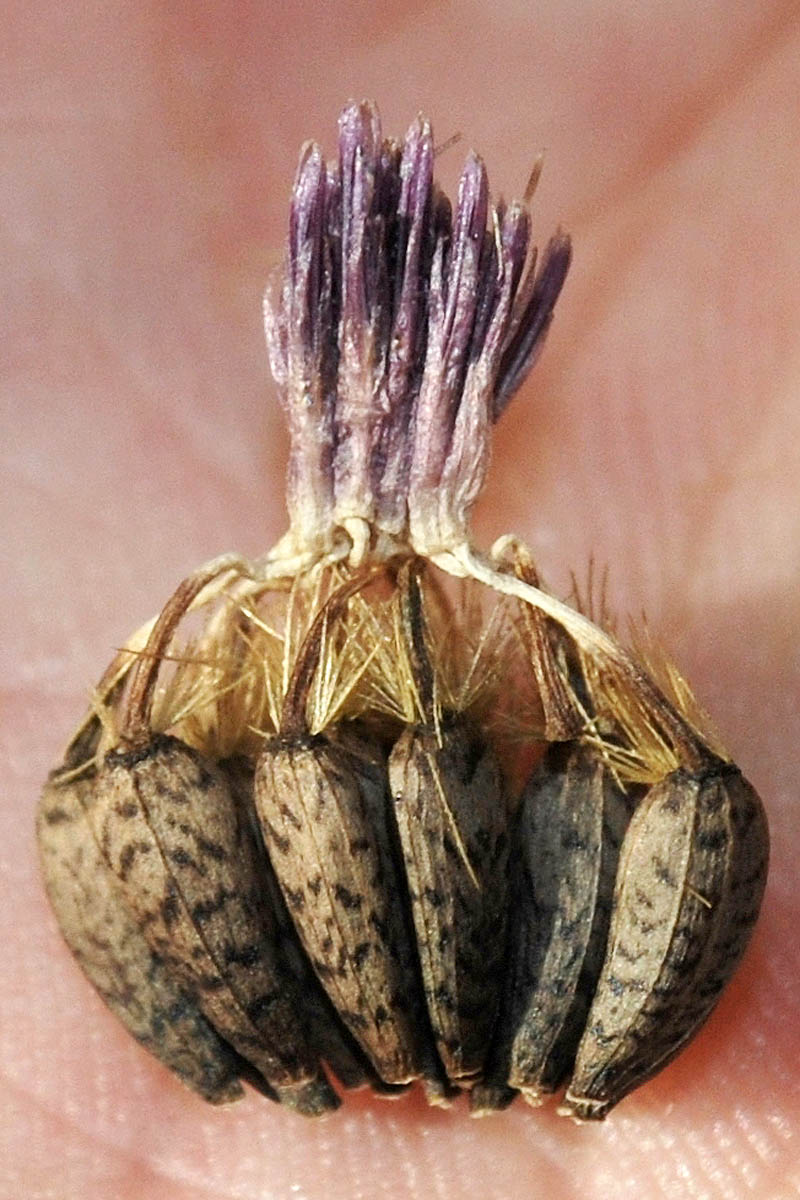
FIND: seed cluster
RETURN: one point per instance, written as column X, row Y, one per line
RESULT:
column 334, row 820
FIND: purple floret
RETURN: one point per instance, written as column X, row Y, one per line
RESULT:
column 399, row 334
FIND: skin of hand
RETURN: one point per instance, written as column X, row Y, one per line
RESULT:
column 149, row 153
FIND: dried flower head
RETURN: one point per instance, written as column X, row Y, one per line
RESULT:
column 342, row 822
column 399, row 334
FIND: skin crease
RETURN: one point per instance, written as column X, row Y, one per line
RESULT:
column 148, row 160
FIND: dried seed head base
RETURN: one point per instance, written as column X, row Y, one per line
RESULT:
column 377, row 807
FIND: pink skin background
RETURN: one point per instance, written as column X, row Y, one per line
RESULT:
column 148, row 152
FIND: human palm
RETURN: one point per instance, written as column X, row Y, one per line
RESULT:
column 150, row 162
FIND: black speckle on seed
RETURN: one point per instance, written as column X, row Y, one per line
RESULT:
column 361, row 953
column 346, row 898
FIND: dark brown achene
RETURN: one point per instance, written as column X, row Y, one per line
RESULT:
column 453, row 817
column 331, row 822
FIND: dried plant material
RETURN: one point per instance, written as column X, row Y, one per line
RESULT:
column 552, row 656
column 325, row 815
column 324, row 1029
column 108, row 943
column 293, row 793
column 452, row 814
column 188, row 865
column 398, row 334
column 689, row 885
column 324, row 810
column 170, row 832
column 566, row 843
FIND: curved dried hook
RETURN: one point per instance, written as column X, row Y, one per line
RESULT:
column 135, row 724
column 294, row 723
